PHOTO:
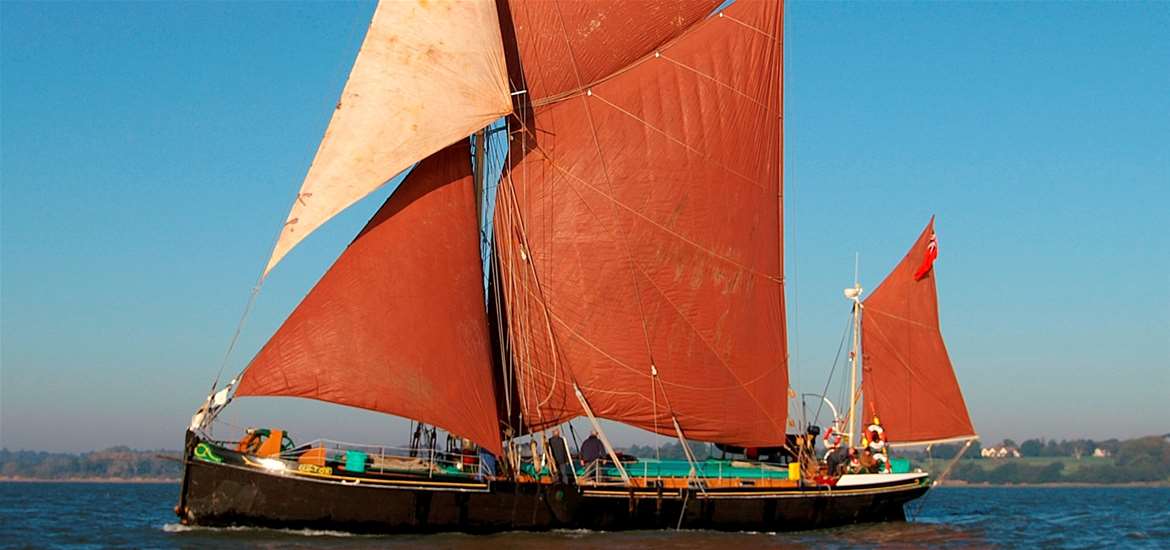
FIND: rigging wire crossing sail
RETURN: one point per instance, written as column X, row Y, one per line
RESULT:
column 566, row 45
column 908, row 380
column 427, row 75
column 639, row 222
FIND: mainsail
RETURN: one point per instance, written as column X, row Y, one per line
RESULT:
column 908, row 380
column 639, row 222
column 428, row 74
column 397, row 324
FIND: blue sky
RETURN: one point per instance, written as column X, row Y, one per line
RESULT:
column 149, row 153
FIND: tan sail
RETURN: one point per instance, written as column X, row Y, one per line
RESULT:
column 428, row 74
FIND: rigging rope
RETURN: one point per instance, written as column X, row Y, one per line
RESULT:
column 836, row 361
column 263, row 274
column 942, row 476
column 236, row 335
column 781, row 187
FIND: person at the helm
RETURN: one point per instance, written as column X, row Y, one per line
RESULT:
column 876, row 443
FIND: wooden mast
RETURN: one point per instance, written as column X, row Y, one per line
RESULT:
column 479, row 176
column 854, row 294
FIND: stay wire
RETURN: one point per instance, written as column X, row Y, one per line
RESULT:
column 236, row 335
column 836, row 361
column 354, row 21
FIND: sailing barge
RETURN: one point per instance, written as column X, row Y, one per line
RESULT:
column 590, row 225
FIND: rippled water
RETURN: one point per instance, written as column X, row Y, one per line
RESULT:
column 76, row 515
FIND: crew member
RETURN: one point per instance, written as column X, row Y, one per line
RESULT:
column 877, row 444
column 560, row 454
column 853, row 466
column 868, row 464
column 592, row 449
column 487, row 464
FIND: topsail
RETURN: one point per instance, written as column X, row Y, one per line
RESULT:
column 565, row 45
column 428, row 74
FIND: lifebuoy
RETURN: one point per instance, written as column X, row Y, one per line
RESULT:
column 832, row 437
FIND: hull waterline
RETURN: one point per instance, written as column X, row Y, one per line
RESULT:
column 221, row 494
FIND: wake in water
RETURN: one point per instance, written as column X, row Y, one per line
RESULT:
column 180, row 528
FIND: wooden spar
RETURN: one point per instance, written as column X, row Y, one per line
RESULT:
column 501, row 335
column 690, row 455
column 601, row 434
column 479, row 176
column 946, row 471
column 854, row 355
column 495, row 303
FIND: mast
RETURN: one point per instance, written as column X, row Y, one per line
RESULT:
column 854, row 294
column 480, row 176
column 484, row 176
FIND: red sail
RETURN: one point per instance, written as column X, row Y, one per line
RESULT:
column 640, row 230
column 568, row 44
column 397, row 325
column 907, row 377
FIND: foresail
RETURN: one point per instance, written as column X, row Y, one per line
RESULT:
column 428, row 74
column 907, row 377
column 639, row 228
column 397, row 324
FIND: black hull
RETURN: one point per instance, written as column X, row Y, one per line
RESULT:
column 226, row 494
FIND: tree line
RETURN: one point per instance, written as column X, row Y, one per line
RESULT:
column 112, row 463
column 1145, row 459
column 1037, row 447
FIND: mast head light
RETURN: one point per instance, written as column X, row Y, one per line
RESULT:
column 853, row 293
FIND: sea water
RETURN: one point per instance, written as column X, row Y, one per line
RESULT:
column 138, row 515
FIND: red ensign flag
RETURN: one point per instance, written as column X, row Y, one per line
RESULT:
column 928, row 258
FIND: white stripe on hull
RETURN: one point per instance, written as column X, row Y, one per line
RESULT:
column 858, row 480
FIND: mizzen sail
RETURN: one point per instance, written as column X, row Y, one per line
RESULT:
column 397, row 324
column 428, row 74
column 639, row 228
column 908, row 380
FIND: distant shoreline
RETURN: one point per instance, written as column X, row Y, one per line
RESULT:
column 90, row 480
